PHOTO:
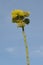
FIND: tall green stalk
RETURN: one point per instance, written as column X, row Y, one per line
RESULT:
column 26, row 47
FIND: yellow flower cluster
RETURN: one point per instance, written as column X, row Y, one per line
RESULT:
column 17, row 12
column 20, row 13
column 18, row 16
column 20, row 23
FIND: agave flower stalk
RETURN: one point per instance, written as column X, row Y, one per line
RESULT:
column 20, row 18
column 26, row 47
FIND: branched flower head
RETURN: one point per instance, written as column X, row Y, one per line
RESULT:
column 20, row 17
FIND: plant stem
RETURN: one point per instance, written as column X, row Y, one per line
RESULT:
column 26, row 47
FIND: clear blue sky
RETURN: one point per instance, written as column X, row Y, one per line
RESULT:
column 12, row 49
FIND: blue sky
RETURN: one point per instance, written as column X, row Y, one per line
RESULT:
column 12, row 49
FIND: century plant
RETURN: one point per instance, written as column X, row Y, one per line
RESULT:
column 20, row 17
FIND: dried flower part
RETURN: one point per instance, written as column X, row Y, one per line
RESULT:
column 26, row 21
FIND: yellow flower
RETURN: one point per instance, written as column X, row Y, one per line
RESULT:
column 26, row 14
column 16, row 13
column 20, row 23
